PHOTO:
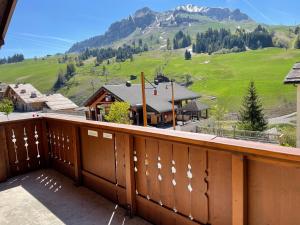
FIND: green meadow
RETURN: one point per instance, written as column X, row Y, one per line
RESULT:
column 220, row 79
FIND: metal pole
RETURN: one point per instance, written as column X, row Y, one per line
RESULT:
column 144, row 99
column 173, row 106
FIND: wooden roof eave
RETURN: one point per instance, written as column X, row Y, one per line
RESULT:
column 7, row 14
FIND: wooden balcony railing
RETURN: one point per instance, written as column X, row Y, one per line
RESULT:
column 164, row 176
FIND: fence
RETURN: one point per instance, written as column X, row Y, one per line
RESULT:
column 241, row 134
column 166, row 177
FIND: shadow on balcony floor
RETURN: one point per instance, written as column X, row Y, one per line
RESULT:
column 47, row 197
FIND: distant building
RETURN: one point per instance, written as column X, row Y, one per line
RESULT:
column 293, row 77
column 159, row 107
column 3, row 88
column 27, row 98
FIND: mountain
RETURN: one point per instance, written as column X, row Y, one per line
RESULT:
column 147, row 24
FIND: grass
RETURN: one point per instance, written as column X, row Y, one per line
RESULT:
column 224, row 76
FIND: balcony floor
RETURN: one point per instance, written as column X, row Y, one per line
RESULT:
column 47, row 197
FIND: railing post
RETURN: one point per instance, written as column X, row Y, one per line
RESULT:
column 4, row 164
column 239, row 190
column 77, row 155
column 130, row 181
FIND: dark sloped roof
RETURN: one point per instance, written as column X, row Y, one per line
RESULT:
column 293, row 76
column 194, row 106
column 160, row 102
column 6, row 10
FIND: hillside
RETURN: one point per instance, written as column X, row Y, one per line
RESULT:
column 225, row 77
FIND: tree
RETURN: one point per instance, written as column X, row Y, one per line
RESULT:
column 218, row 113
column 297, row 42
column 169, row 47
column 187, row 55
column 6, row 106
column 119, row 113
column 251, row 114
column 71, row 69
column 61, row 80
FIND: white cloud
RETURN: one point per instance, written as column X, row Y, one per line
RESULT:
column 47, row 37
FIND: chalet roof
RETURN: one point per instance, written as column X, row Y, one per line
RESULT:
column 194, row 106
column 6, row 10
column 59, row 102
column 293, row 76
column 27, row 93
column 159, row 103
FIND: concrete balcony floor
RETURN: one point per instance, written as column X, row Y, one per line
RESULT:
column 47, row 197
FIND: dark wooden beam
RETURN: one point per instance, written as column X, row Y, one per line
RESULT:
column 7, row 14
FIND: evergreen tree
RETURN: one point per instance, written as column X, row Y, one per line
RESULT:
column 251, row 113
column 169, row 47
column 297, row 42
column 187, row 55
column 71, row 69
column 60, row 82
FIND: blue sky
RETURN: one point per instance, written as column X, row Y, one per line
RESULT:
column 41, row 27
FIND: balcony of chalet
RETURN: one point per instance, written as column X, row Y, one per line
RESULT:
column 56, row 169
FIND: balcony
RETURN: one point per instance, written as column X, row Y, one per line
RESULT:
column 162, row 176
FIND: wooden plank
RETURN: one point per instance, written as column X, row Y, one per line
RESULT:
column 77, row 155
column 239, row 192
column 44, row 147
column 199, row 199
column 130, row 182
column 273, row 194
column 140, row 175
column 219, row 188
column 4, row 171
column 182, row 194
column 166, row 187
column 120, row 158
column 152, row 178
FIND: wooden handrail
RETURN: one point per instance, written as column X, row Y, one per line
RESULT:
column 203, row 140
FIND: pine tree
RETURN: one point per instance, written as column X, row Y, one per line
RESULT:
column 187, row 55
column 251, row 113
column 169, row 47
column 297, row 43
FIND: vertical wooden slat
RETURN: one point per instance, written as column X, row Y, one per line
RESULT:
column 199, row 200
column 239, row 195
column 152, row 178
column 45, row 145
column 182, row 194
column 167, row 190
column 140, row 175
column 129, row 168
column 120, row 158
column 77, row 154
column 4, row 169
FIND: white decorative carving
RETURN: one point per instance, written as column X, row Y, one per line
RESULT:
column 14, row 141
column 174, row 182
column 26, row 144
column 36, row 136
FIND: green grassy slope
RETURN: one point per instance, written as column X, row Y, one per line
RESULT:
column 223, row 76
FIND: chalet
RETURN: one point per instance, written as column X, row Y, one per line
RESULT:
column 27, row 98
column 3, row 88
column 293, row 77
column 159, row 107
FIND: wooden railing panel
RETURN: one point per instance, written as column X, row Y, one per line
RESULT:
column 24, row 146
column 273, row 193
column 62, row 147
column 98, row 153
column 4, row 166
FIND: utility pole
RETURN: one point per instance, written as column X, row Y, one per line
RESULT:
column 173, row 106
column 144, row 99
